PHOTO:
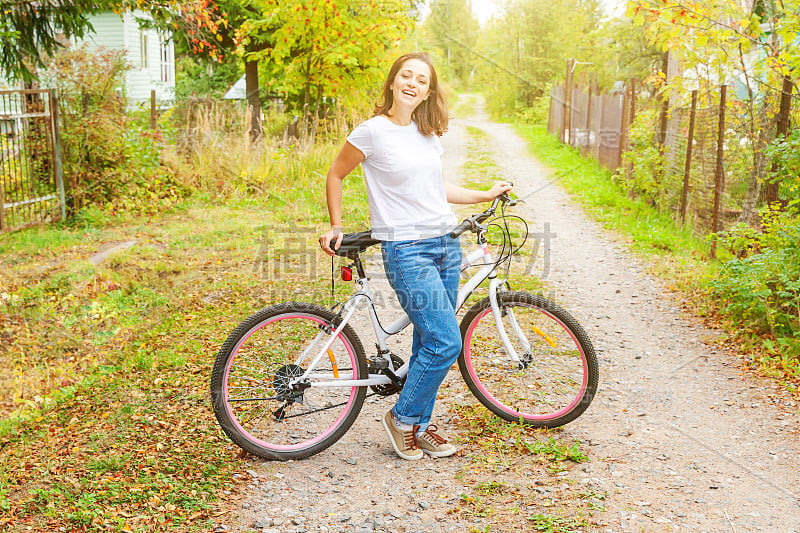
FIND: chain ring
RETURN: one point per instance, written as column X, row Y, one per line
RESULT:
column 389, row 388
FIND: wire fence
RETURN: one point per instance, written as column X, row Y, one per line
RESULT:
column 694, row 160
column 31, row 183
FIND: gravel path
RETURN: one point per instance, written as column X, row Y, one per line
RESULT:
column 679, row 436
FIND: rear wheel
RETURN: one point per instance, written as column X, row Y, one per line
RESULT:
column 556, row 378
column 257, row 397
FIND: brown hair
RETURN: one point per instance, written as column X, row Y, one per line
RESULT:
column 431, row 114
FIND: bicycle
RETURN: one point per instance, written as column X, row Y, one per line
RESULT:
column 291, row 379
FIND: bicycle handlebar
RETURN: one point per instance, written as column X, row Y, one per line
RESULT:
column 474, row 220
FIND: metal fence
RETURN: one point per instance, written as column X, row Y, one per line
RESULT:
column 594, row 123
column 31, row 181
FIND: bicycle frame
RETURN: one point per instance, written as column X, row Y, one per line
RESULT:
column 480, row 256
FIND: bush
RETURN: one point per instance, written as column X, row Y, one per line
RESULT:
column 649, row 178
column 761, row 287
column 785, row 156
column 108, row 160
column 537, row 113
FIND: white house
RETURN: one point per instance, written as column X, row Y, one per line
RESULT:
column 150, row 52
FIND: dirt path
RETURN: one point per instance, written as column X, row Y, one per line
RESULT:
column 678, row 436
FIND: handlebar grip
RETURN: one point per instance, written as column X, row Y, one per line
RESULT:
column 461, row 228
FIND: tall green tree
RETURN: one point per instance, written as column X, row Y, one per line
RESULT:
column 30, row 30
column 318, row 50
column 528, row 45
column 451, row 32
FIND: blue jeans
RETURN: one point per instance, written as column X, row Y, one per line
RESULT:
column 425, row 275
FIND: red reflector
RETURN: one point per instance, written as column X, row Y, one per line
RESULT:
column 347, row 274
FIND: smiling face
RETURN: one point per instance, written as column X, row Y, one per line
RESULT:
column 411, row 85
column 411, row 92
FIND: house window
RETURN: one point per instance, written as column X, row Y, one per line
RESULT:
column 167, row 59
column 143, row 49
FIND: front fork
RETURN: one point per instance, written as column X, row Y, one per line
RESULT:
column 501, row 329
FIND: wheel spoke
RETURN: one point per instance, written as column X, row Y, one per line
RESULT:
column 548, row 391
column 260, row 364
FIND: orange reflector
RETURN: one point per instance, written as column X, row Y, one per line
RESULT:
column 333, row 363
column 545, row 336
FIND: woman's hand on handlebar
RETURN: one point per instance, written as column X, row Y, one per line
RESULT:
column 331, row 240
column 499, row 188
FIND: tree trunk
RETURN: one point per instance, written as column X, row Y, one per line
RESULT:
column 663, row 112
column 253, row 99
column 672, row 136
column 781, row 129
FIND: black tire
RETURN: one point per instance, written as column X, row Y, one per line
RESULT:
column 559, row 380
column 251, row 400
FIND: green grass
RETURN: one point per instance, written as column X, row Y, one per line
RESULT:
column 549, row 523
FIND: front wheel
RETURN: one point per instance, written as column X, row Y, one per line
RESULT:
column 556, row 377
column 258, row 397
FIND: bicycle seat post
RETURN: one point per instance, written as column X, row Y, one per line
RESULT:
column 358, row 264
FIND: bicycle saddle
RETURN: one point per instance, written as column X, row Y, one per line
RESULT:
column 355, row 243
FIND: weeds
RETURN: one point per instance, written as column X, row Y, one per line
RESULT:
column 556, row 524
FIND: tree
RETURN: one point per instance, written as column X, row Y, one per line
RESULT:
column 319, row 50
column 30, row 30
column 726, row 40
column 212, row 34
column 532, row 39
column 452, row 31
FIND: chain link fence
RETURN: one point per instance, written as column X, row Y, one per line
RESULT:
column 694, row 160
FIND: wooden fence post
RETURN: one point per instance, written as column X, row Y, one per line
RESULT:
column 152, row 109
column 602, row 135
column 719, row 174
column 688, row 164
column 567, row 104
column 58, row 167
column 623, row 126
column 551, row 127
column 588, row 124
column 631, row 119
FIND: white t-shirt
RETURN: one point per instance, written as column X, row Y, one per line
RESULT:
column 403, row 170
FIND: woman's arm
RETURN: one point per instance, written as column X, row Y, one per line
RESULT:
column 459, row 195
column 348, row 158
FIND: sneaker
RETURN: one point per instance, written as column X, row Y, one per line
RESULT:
column 404, row 442
column 434, row 444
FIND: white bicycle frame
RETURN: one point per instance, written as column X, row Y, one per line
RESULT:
column 480, row 256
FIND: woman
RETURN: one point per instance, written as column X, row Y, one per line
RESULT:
column 400, row 153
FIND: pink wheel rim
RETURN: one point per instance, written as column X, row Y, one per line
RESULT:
column 304, row 444
column 501, row 405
